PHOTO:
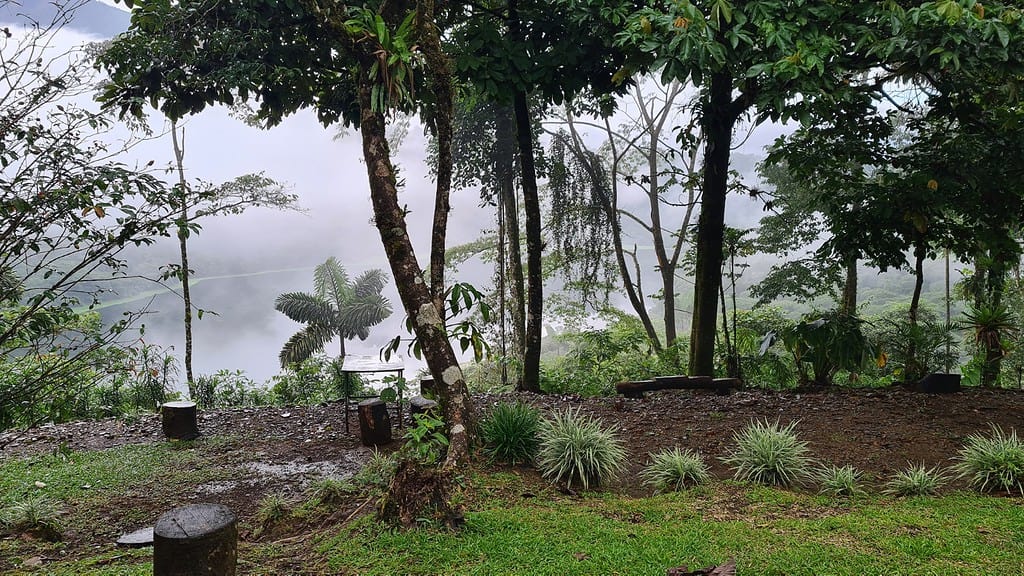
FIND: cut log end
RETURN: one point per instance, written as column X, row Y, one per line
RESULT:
column 196, row 540
column 179, row 420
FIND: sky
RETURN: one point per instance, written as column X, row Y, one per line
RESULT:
column 243, row 331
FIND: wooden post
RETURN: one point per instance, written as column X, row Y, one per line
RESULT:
column 374, row 422
column 179, row 420
column 196, row 540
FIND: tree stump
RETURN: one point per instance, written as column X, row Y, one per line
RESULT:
column 939, row 383
column 428, row 388
column 420, row 405
column 196, row 540
column 374, row 422
column 179, row 420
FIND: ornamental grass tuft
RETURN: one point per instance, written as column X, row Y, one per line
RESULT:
column 510, row 432
column 993, row 463
column 576, row 449
column 675, row 469
column 916, row 480
column 840, row 481
column 770, row 454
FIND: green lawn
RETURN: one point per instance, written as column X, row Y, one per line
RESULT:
column 515, row 526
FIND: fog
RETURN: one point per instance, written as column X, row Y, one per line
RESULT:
column 272, row 252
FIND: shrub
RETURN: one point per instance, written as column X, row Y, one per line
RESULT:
column 916, row 480
column 770, row 454
column 675, row 469
column 840, row 481
column 993, row 463
column 510, row 432
column 576, row 448
column 35, row 514
column 226, row 389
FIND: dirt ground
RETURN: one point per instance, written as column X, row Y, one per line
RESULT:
column 281, row 451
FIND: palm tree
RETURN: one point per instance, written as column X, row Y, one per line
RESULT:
column 339, row 307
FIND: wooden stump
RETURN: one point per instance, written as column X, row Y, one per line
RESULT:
column 179, row 420
column 196, row 540
column 939, row 383
column 420, row 405
column 427, row 388
column 374, row 422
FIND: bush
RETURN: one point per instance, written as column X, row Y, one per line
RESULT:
column 315, row 380
column 510, row 432
column 995, row 463
column 33, row 515
column 228, row 389
column 916, row 480
column 675, row 469
column 770, row 454
column 576, row 448
column 599, row 358
column 840, row 481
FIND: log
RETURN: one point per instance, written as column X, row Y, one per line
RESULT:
column 374, row 422
column 179, row 420
column 196, row 540
column 636, row 389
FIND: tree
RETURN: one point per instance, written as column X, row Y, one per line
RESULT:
column 512, row 51
column 69, row 209
column 353, row 64
column 784, row 60
column 589, row 190
column 339, row 307
column 232, row 197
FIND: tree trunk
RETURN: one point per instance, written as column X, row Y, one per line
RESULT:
column 183, row 231
column 428, row 326
column 505, row 144
column 439, row 72
column 719, row 119
column 914, row 370
column 534, row 247
column 848, row 305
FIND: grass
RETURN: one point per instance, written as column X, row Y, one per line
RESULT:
column 995, row 462
column 840, row 481
column 517, row 524
column 576, row 448
column 769, row 453
column 675, row 469
column 916, row 480
column 960, row 534
column 510, row 432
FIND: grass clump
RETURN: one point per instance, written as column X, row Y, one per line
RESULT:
column 675, row 469
column 35, row 515
column 840, row 481
column 993, row 463
column 377, row 473
column 576, row 448
column 916, row 480
column 770, row 454
column 332, row 490
column 510, row 432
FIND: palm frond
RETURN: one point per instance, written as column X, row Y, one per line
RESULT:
column 370, row 283
column 357, row 316
column 331, row 282
column 305, row 343
column 306, row 308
